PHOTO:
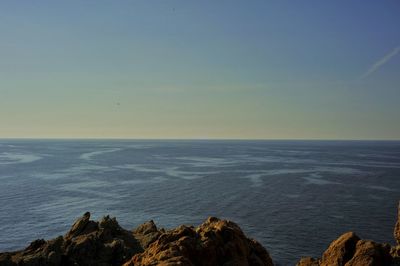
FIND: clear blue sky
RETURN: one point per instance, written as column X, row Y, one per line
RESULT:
column 200, row 69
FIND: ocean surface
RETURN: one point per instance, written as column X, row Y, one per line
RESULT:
column 294, row 197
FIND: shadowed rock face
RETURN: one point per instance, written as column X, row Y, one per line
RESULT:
column 215, row 242
column 87, row 243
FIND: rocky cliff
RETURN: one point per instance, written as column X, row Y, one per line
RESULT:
column 215, row 242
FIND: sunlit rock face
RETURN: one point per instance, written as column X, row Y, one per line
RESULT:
column 215, row 242
column 104, row 242
column 350, row 250
column 397, row 227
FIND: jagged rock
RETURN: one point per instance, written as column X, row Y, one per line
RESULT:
column 338, row 253
column 106, row 243
column 78, row 226
column 349, row 250
column 147, row 233
column 39, row 252
column 397, row 227
column 341, row 250
column 308, row 261
column 215, row 242
column 369, row 253
column 395, row 252
column 86, row 243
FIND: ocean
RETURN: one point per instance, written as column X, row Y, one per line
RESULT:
column 294, row 197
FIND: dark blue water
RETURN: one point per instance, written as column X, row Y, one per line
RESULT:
column 292, row 196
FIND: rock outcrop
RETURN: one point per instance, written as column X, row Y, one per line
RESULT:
column 86, row 243
column 397, row 227
column 350, row 250
column 215, row 242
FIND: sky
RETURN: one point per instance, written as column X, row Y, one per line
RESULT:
column 200, row 69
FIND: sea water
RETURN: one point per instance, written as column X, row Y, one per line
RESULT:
column 294, row 197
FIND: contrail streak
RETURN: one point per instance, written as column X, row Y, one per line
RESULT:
column 381, row 62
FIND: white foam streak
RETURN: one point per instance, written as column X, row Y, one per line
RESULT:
column 89, row 155
column 15, row 158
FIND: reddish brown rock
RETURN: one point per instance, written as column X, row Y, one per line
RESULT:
column 215, row 242
column 338, row 253
column 397, row 227
column 349, row 250
column 369, row 253
column 308, row 261
column 341, row 250
column 147, row 233
column 104, row 243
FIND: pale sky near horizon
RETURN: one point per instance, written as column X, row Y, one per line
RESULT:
column 200, row 69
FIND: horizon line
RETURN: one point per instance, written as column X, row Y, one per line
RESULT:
column 193, row 139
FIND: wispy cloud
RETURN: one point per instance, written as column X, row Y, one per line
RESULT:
column 378, row 64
